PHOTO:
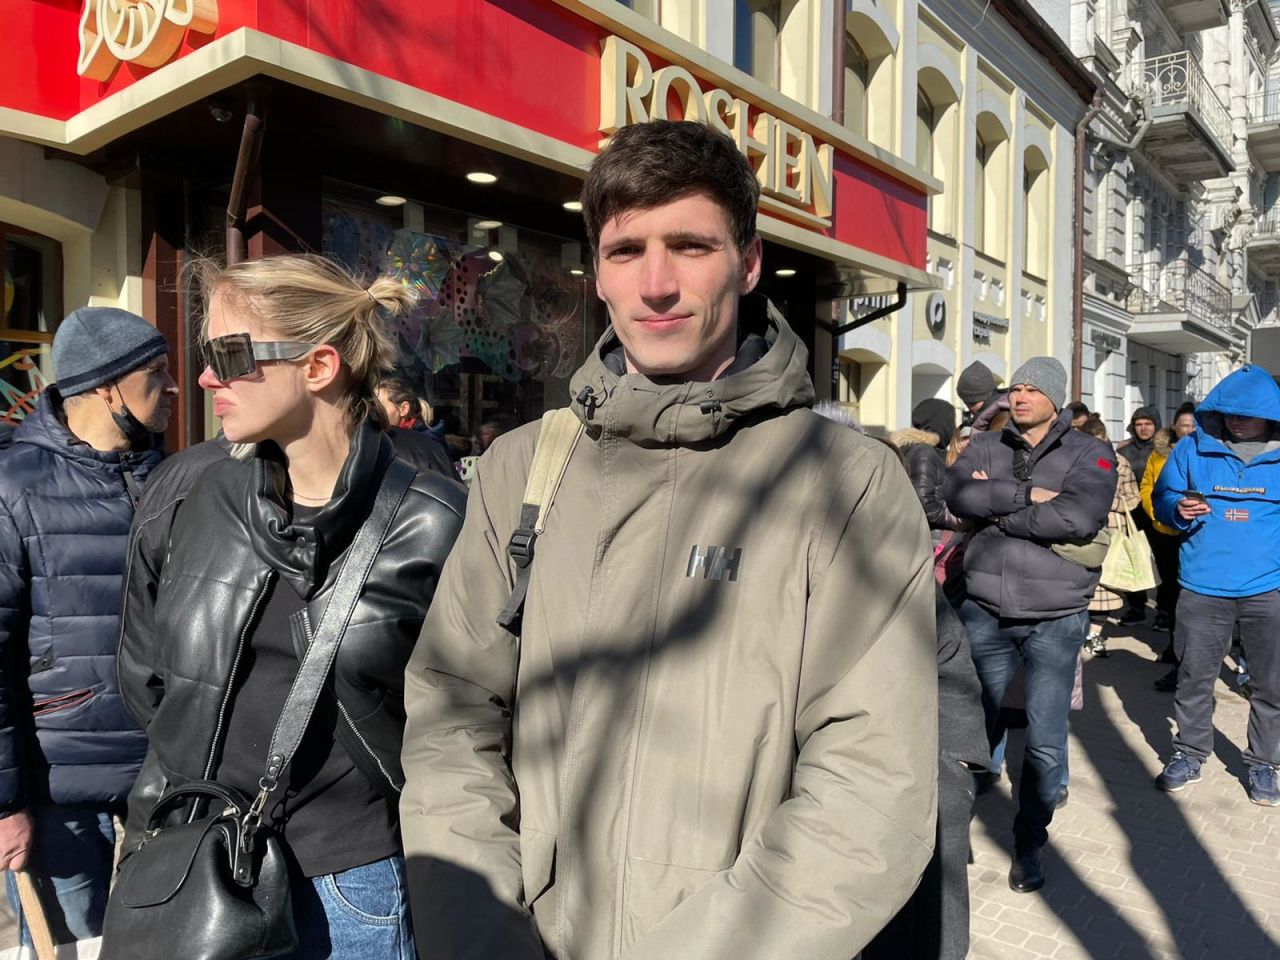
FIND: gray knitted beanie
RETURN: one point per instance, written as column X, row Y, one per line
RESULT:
column 1047, row 375
column 97, row 345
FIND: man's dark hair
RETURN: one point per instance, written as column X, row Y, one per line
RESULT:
column 648, row 164
column 1078, row 409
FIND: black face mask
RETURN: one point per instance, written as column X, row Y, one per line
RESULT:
column 138, row 434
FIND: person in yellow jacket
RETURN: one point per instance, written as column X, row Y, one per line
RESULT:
column 1165, row 541
column 715, row 731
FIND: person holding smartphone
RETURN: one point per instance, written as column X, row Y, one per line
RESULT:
column 1221, row 490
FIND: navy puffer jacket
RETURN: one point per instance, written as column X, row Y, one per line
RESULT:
column 65, row 510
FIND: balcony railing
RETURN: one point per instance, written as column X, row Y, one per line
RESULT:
column 1180, row 287
column 1267, row 226
column 1264, row 107
column 1177, row 80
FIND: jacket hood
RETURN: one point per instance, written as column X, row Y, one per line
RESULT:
column 936, row 416
column 1144, row 413
column 770, row 375
column 1164, row 441
column 1248, row 392
column 909, row 435
column 45, row 428
column 300, row 552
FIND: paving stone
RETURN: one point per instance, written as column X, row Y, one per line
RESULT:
column 1133, row 872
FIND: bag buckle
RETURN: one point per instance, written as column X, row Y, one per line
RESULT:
column 521, row 546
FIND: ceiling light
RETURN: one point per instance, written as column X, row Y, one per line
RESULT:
column 479, row 176
column 391, row 200
column 496, row 256
column 578, row 273
column 784, row 272
column 573, row 206
column 488, row 224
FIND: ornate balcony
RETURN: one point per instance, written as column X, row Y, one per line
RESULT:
column 1188, row 16
column 1190, row 133
column 1264, row 245
column 1178, row 307
column 1264, row 129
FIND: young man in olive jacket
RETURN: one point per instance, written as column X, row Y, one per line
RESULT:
column 716, row 733
column 1034, row 486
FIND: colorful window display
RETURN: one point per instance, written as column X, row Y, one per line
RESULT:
column 31, row 309
column 502, row 319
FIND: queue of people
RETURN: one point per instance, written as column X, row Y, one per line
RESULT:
column 625, row 696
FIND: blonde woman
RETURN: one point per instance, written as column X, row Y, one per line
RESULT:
column 212, row 641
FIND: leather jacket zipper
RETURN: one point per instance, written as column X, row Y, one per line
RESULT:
column 235, row 666
column 365, row 743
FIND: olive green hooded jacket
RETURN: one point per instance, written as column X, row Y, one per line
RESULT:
column 716, row 736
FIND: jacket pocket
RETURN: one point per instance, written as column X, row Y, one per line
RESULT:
column 64, row 701
column 654, row 890
column 537, row 863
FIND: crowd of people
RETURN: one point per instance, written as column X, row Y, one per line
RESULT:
column 692, row 668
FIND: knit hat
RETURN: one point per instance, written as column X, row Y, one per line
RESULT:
column 97, row 345
column 936, row 416
column 1047, row 375
column 976, row 383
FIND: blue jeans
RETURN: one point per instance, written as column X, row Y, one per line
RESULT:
column 1048, row 650
column 358, row 914
column 70, row 862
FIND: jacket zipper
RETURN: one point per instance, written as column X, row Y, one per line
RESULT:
column 235, row 666
column 365, row 743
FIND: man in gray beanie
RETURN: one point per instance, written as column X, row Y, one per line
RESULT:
column 980, row 393
column 69, row 751
column 1038, row 493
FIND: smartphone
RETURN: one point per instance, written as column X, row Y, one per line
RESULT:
column 1194, row 495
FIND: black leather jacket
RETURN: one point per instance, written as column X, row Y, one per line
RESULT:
column 196, row 579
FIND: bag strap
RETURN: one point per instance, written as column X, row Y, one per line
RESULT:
column 556, row 441
column 318, row 659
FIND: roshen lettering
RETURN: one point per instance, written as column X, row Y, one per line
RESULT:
column 791, row 165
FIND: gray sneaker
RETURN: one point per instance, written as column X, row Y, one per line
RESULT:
column 1262, row 785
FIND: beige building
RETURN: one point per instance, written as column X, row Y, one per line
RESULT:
column 995, row 98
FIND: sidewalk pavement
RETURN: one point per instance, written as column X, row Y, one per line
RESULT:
column 1134, row 873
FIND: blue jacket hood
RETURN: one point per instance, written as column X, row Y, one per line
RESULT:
column 1249, row 392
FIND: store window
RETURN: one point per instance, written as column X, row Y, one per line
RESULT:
column 505, row 314
column 756, row 25
column 32, row 308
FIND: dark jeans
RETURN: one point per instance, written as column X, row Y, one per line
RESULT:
column 1165, row 550
column 1048, row 649
column 1202, row 638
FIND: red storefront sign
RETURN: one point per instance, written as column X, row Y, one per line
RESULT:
column 536, row 64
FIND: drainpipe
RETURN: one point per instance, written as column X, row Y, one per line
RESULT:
column 246, row 164
column 1077, row 292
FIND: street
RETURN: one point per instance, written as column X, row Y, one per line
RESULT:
column 1133, row 872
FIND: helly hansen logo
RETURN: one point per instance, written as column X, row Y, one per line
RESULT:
column 714, row 563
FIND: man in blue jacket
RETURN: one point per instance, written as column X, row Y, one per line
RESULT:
column 69, row 750
column 1221, row 488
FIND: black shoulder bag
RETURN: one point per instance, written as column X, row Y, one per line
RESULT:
column 217, row 888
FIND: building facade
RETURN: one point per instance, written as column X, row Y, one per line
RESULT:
column 986, row 97
column 442, row 143
column 1181, row 251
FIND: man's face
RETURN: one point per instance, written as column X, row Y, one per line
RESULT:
column 1246, row 428
column 1185, row 424
column 672, row 277
column 1144, row 429
column 1028, row 407
column 148, row 392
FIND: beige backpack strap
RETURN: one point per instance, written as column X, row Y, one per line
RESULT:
column 556, row 439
